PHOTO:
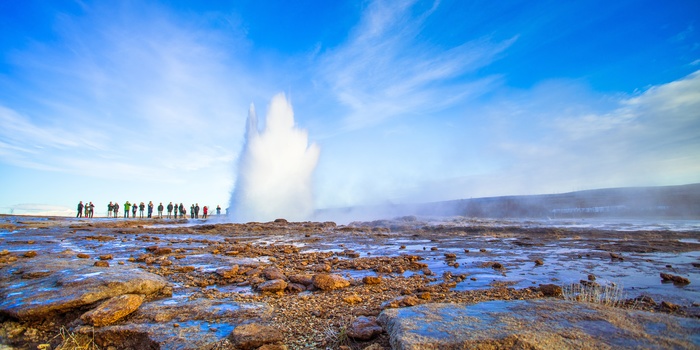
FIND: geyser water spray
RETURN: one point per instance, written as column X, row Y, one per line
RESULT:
column 275, row 168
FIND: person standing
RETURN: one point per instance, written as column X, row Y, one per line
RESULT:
column 92, row 209
column 192, row 211
column 116, row 209
column 150, row 209
column 142, row 207
column 127, row 207
column 134, row 206
column 196, row 211
column 218, row 210
column 110, row 208
column 204, row 212
column 160, row 210
column 182, row 210
column 80, row 210
column 175, row 210
column 170, row 209
column 86, row 210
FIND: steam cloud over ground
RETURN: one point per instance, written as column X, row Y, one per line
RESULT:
column 275, row 168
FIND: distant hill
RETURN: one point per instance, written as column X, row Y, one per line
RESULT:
column 681, row 201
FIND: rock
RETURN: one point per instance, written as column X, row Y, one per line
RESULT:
column 273, row 286
column 83, row 256
column 113, row 310
column 101, row 263
column 615, row 256
column 352, row 299
column 227, row 272
column 72, row 285
column 591, row 277
column 273, row 273
column 589, row 284
column 551, row 290
column 106, row 257
column 372, row 279
column 665, row 305
column 253, row 336
column 296, row 287
column 329, row 281
column 402, row 301
column 162, row 251
column 539, row 262
column 667, row 277
column 172, row 324
column 374, row 346
column 303, row 279
column 364, row 328
column 29, row 254
column 535, row 324
column 497, row 266
column 450, row 256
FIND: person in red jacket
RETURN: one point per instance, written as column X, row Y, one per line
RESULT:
column 205, row 210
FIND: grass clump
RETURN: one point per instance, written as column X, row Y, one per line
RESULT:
column 611, row 294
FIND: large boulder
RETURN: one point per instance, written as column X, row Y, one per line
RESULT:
column 59, row 284
column 535, row 324
column 253, row 336
column 179, row 324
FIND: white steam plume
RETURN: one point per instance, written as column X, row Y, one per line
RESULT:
column 275, row 168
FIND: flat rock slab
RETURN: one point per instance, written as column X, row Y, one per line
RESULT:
column 44, row 286
column 536, row 324
column 179, row 324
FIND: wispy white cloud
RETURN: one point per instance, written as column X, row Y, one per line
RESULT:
column 385, row 70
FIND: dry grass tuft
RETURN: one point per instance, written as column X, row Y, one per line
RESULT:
column 611, row 294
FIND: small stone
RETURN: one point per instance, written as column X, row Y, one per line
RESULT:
column 227, row 272
column 106, row 257
column 113, row 310
column 253, row 336
column 482, row 250
column 372, row 279
column 551, row 290
column 273, row 273
column 591, row 277
column 101, row 263
column 665, row 305
column 352, row 299
column 450, row 256
column 273, row 286
column 497, row 266
column 83, row 256
column 539, row 262
column 364, row 328
column 30, row 254
column 329, row 282
column 675, row 279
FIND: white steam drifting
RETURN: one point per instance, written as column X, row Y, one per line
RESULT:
column 275, row 168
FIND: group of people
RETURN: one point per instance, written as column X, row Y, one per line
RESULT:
column 86, row 209
column 173, row 210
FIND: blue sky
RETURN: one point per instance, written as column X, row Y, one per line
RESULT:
column 409, row 101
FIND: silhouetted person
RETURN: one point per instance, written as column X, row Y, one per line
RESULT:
column 80, row 210
column 218, row 210
column 170, row 210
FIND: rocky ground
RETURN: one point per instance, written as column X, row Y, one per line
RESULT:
column 197, row 284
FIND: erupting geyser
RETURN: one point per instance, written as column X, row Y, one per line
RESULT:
column 275, row 168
